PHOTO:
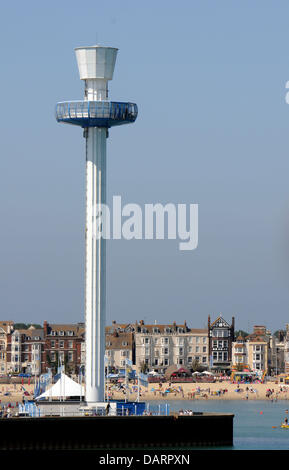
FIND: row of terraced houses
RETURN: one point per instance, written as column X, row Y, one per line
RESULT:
column 149, row 347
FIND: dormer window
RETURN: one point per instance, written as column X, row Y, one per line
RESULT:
column 70, row 333
column 61, row 333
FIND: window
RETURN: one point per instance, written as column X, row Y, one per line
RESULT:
column 52, row 356
column 190, row 359
column 61, row 333
column 197, row 349
column 165, row 340
column 225, row 356
column 52, row 344
column 215, row 343
column 166, row 362
column 156, row 361
column 61, row 344
column 70, row 356
column 181, row 351
column 215, row 355
column 204, row 340
column 146, row 340
column 156, row 330
column 197, row 339
column 204, row 359
column 166, row 351
column 204, row 349
column 70, row 344
column 70, row 333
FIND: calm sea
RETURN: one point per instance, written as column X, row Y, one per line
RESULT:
column 253, row 422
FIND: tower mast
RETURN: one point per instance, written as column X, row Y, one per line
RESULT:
column 95, row 114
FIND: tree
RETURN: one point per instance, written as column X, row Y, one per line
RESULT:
column 280, row 334
column 25, row 326
column 196, row 366
column 143, row 367
column 241, row 333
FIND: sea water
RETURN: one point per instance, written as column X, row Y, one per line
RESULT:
column 256, row 423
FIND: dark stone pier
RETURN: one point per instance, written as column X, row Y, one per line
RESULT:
column 117, row 432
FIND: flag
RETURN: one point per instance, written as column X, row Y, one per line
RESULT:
column 143, row 379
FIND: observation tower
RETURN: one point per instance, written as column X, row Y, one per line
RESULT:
column 95, row 114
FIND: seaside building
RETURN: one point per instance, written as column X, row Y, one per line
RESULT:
column 240, row 354
column 160, row 346
column 260, row 346
column 286, row 350
column 221, row 337
column 25, row 351
column 5, row 329
column 119, row 347
column 63, row 345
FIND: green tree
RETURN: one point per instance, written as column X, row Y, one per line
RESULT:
column 196, row 366
column 241, row 333
column 143, row 367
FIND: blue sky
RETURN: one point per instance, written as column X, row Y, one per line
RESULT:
column 213, row 127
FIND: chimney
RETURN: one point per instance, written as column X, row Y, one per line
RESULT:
column 45, row 324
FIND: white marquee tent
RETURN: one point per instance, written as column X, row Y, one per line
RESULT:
column 63, row 388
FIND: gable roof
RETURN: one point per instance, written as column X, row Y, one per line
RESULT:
column 220, row 319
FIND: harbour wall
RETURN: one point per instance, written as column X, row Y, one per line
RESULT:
column 117, row 432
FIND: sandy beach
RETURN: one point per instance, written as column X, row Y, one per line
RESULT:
column 11, row 393
column 208, row 391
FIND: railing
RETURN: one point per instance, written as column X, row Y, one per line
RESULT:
column 96, row 110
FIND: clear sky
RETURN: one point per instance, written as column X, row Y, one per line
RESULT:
column 213, row 129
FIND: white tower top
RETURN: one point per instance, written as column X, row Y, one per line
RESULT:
column 96, row 67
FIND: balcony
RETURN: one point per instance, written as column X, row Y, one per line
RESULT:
column 96, row 113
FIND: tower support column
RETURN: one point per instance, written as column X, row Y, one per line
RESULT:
column 95, row 277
